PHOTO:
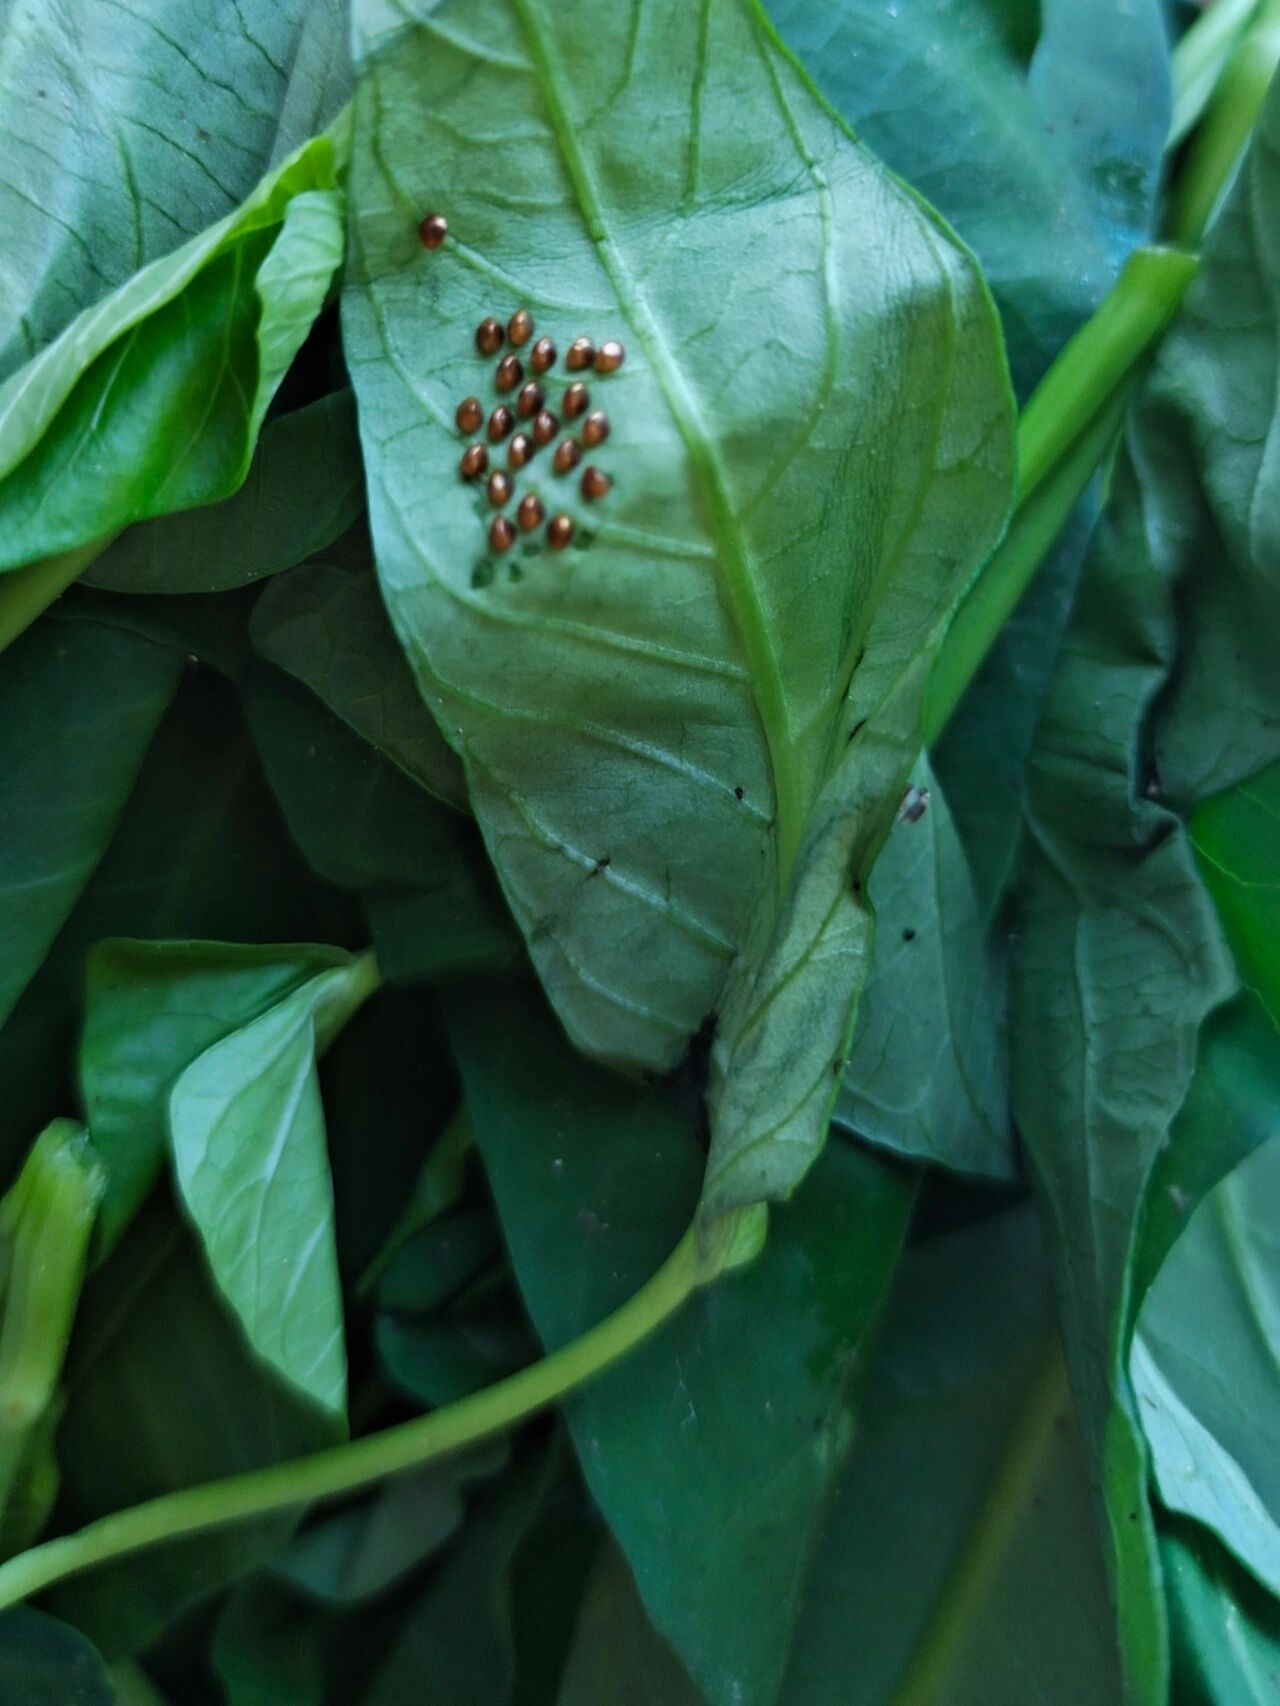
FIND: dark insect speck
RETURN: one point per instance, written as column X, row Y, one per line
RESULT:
column 520, row 327
column 739, row 793
column 542, row 357
column 582, row 352
column 501, row 422
column 433, row 230
column 470, row 414
column 502, row 535
column 908, row 935
column 559, row 532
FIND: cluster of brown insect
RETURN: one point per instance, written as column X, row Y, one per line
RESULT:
column 542, row 428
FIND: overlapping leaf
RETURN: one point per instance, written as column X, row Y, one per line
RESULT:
column 129, row 128
column 151, row 400
column 682, row 734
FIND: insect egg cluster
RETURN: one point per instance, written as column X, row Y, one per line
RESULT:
column 539, row 426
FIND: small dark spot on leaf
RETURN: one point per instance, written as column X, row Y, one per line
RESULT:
column 908, row 935
column 482, row 574
column 600, row 865
column 857, row 729
column 856, row 884
column 837, row 1067
column 739, row 791
column 201, row 133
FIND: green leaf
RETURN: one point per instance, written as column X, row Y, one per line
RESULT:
column 249, row 1155
column 328, row 629
column 1237, row 837
column 1119, row 961
column 163, row 1393
column 152, row 1008
column 1121, row 954
column 960, row 1560
column 362, row 1551
column 130, row 129
column 1226, row 1633
column 1206, row 1364
column 78, row 707
column 265, row 1652
column 733, row 1419
column 304, row 488
column 213, row 861
column 455, row 1647
column 43, row 1663
column 656, row 724
column 419, row 867
column 617, row 1653
column 151, row 400
column 1037, row 130
column 926, row 1075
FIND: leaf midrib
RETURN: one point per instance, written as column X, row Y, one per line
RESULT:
column 732, row 564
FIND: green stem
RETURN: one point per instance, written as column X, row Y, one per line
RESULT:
column 28, row 593
column 1065, row 432
column 986, row 1546
column 1228, row 124
column 1200, row 58
column 701, row 1254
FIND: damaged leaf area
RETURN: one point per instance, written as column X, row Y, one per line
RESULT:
column 685, row 728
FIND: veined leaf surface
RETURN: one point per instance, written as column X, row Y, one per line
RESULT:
column 810, row 451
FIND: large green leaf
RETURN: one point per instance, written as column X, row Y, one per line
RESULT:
column 733, row 1420
column 1121, row 954
column 1038, row 130
column 247, row 1129
column 43, row 1663
column 1206, row 1364
column 960, row 1562
column 305, row 487
column 128, row 129
column 213, row 861
column 151, row 400
column 151, row 1009
column 1237, row 837
column 1119, row 961
column 926, row 1075
column 78, row 707
column 327, row 627
column 418, row 866
column 1226, row 1631
column 163, row 1393
column 683, row 736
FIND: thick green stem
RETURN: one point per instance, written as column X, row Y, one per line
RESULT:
column 1228, row 124
column 1065, row 432
column 702, row 1253
column 46, row 1219
column 28, row 593
column 1200, row 59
